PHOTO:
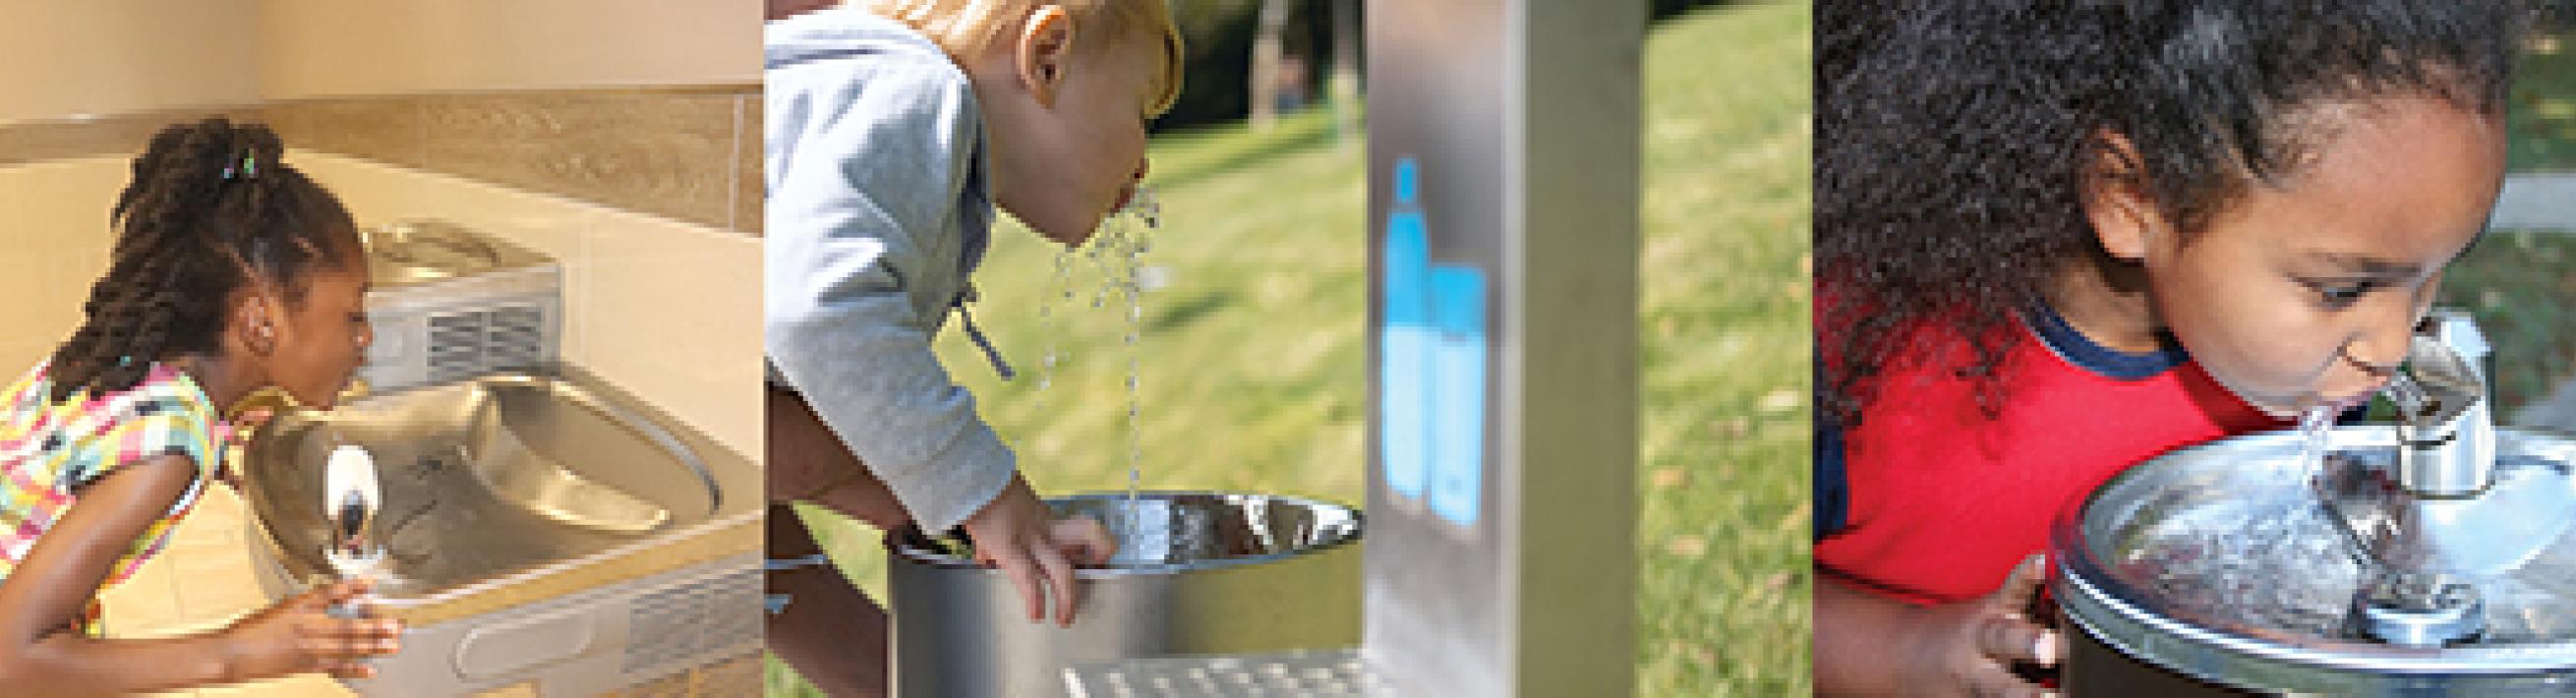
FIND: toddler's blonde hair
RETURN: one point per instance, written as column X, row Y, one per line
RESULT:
column 967, row 28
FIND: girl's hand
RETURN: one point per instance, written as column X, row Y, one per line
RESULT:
column 1969, row 648
column 298, row 636
column 1015, row 534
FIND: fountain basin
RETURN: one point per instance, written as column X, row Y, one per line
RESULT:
column 535, row 526
column 1197, row 573
column 2218, row 568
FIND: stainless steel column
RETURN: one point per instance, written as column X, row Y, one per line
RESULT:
column 1503, row 429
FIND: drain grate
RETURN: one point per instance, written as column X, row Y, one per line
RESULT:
column 1335, row 673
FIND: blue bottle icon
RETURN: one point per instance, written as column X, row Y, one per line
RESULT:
column 1458, row 390
column 1406, row 342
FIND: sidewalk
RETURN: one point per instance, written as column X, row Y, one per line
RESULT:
column 2537, row 201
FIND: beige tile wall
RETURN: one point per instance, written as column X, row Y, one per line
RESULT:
column 750, row 166
column 59, row 59
column 63, row 58
column 687, row 153
column 21, row 316
column 55, row 214
column 691, row 154
column 120, row 136
column 333, row 47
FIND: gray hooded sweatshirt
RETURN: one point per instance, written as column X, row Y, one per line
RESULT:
column 878, row 208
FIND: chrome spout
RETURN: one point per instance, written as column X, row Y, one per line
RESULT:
column 352, row 523
column 2445, row 428
column 350, row 501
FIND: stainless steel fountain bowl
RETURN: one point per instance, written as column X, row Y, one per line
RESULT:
column 1196, row 573
column 2217, row 569
column 502, row 481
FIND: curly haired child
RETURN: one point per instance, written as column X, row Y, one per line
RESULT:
column 2055, row 239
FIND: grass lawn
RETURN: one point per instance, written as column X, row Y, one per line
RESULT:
column 1253, row 355
column 2543, row 118
column 1723, row 597
column 2516, row 283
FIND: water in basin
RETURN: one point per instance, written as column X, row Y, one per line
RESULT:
column 2232, row 536
column 1180, row 530
column 1197, row 573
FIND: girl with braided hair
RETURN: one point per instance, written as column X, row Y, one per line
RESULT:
column 2056, row 238
column 232, row 272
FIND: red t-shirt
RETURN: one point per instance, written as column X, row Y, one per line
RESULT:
column 1938, row 500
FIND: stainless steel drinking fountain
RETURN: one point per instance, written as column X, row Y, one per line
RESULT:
column 1500, row 556
column 1197, row 573
column 2444, row 511
column 2428, row 556
column 537, row 528
column 533, row 524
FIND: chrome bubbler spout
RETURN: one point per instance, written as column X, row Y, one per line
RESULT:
column 2424, row 523
column 2445, row 427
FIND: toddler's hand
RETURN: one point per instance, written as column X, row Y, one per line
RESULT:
column 1015, row 533
column 1083, row 539
column 298, row 635
column 1969, row 648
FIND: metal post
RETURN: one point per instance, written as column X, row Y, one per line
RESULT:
column 1503, row 190
column 1500, row 557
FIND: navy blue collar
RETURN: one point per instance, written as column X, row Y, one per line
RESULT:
column 2075, row 348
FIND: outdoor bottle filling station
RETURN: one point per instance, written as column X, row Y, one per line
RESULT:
column 1503, row 187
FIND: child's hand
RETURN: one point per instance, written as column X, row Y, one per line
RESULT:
column 1969, row 648
column 1014, row 533
column 1085, row 539
column 299, row 636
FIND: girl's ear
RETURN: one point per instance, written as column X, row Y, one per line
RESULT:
column 1045, row 49
column 2116, row 202
column 256, row 316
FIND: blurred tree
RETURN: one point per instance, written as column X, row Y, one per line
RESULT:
column 1218, row 84
column 2558, row 15
column 1343, row 77
column 1659, row 10
column 1219, row 35
column 1264, row 81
